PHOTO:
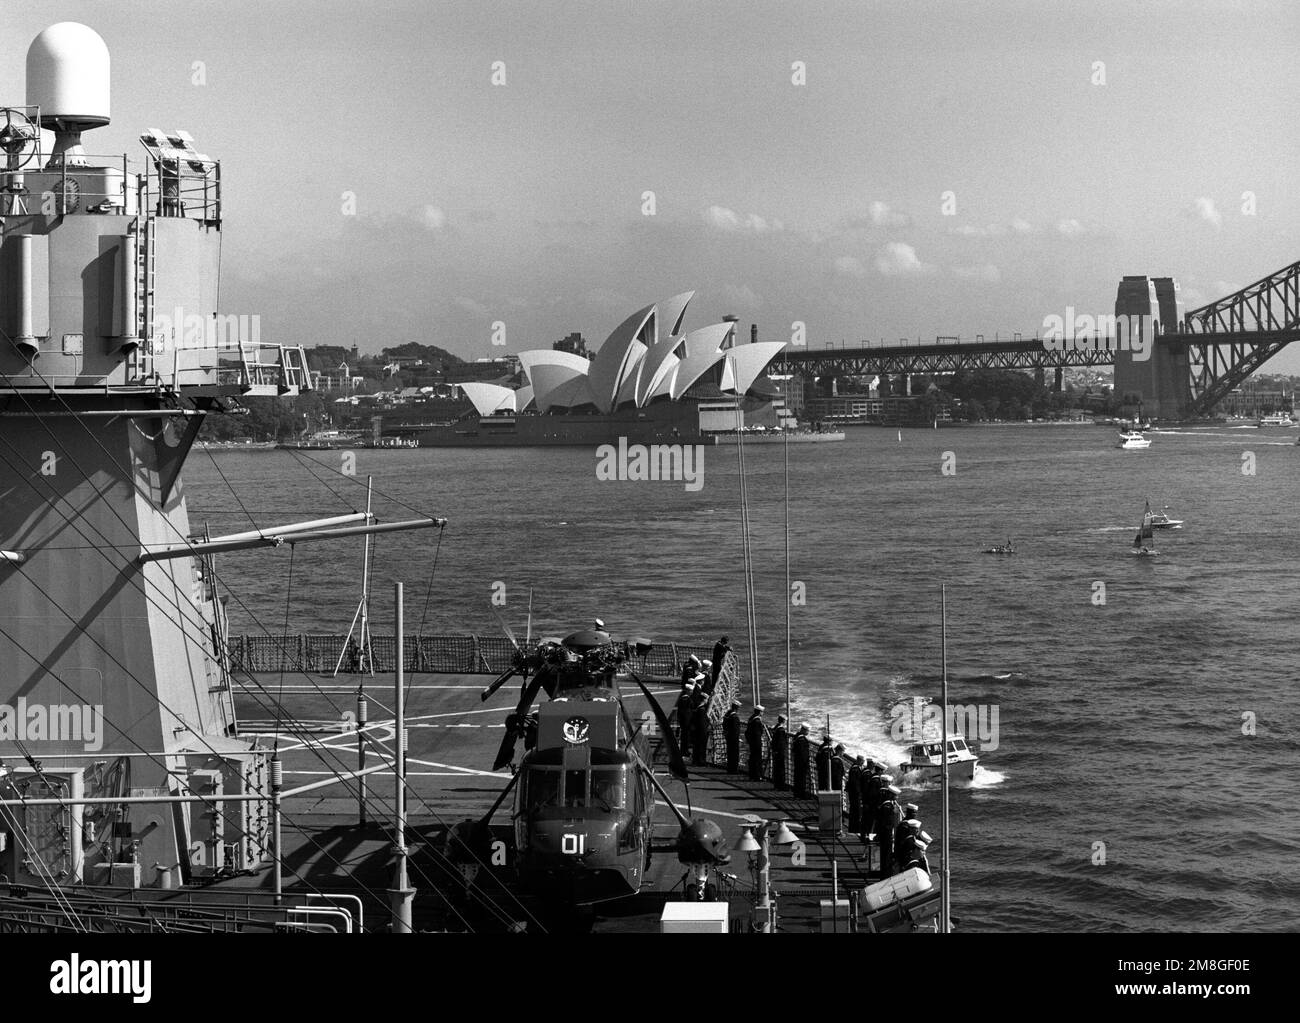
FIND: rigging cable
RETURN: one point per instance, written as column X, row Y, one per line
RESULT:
column 157, row 758
column 175, row 529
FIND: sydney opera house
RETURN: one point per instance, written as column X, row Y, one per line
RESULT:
column 649, row 382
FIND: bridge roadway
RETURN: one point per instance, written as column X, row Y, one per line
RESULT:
column 944, row 355
column 453, row 739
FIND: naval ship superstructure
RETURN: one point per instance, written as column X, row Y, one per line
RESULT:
column 120, row 759
column 124, row 771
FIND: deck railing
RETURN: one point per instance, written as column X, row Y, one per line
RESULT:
column 461, row 655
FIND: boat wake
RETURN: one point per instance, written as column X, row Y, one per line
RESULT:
column 1008, row 676
column 985, row 778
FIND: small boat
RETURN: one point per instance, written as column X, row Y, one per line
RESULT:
column 1277, row 419
column 924, row 758
column 1131, row 440
column 1161, row 520
column 1145, row 532
column 1001, row 548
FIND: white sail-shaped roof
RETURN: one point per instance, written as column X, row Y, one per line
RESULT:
column 557, row 378
column 727, row 381
column 618, row 356
column 489, row 398
column 671, row 313
column 570, row 394
column 627, row 390
column 702, row 354
column 706, row 339
column 661, row 383
column 654, row 365
column 745, row 364
column 640, row 361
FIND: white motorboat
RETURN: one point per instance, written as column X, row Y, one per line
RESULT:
column 1131, row 440
column 1161, row 520
column 925, row 759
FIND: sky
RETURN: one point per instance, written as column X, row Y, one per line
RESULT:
column 425, row 171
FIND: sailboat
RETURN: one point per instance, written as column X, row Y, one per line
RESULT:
column 1145, row 532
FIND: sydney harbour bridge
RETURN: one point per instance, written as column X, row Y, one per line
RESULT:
column 1185, row 365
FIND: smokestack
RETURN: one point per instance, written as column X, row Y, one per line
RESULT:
column 731, row 339
column 753, row 333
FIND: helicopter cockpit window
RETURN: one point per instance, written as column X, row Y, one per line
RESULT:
column 575, row 788
column 607, row 788
column 542, row 788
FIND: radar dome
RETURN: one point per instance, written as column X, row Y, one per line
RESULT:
column 67, row 76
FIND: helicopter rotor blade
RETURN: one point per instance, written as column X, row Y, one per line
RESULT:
column 501, row 680
column 528, row 695
column 506, row 751
column 500, row 799
column 507, row 630
column 681, row 817
column 676, row 764
column 515, row 731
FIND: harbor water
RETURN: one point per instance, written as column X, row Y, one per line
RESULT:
column 1139, row 714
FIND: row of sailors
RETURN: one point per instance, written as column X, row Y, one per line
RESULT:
column 872, row 795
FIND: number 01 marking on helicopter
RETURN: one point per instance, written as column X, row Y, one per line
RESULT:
column 573, row 845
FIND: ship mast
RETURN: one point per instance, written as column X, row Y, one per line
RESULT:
column 110, row 359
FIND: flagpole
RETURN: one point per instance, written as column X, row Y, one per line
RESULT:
column 944, row 904
column 787, row 577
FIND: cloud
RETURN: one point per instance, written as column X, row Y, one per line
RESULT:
column 984, row 272
column 433, row 218
column 881, row 214
column 470, row 306
column 896, row 258
column 1071, row 228
column 1204, row 208
column 723, row 219
column 850, row 266
column 1022, row 226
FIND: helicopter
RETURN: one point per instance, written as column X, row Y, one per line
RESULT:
column 584, row 795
